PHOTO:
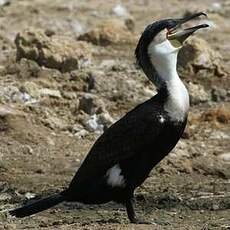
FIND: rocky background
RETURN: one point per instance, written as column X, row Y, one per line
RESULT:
column 67, row 72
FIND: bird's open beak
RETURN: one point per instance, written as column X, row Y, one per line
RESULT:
column 176, row 36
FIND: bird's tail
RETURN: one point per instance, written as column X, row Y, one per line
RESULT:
column 37, row 206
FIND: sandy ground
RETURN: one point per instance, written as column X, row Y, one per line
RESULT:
column 40, row 149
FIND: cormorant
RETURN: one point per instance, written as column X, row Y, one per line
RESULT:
column 123, row 156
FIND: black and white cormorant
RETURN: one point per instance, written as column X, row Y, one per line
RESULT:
column 123, row 156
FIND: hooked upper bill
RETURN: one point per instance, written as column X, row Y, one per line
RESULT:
column 181, row 35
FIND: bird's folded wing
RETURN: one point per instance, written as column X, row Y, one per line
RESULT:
column 127, row 137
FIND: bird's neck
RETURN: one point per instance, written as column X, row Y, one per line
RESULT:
column 177, row 101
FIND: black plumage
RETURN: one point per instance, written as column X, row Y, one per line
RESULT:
column 127, row 151
column 136, row 142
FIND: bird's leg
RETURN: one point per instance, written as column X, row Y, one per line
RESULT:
column 131, row 212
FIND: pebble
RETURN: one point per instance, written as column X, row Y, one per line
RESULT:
column 4, row 2
column 225, row 157
column 91, row 104
column 120, row 11
column 30, row 195
column 50, row 92
column 92, row 124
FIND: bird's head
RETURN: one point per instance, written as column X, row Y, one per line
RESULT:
column 157, row 49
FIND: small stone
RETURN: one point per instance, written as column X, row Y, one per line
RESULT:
column 91, row 104
column 105, row 119
column 225, row 157
column 215, row 7
column 30, row 195
column 93, row 125
column 81, row 134
column 27, row 149
column 31, row 88
column 120, row 11
column 219, row 94
column 50, row 92
column 4, row 2
column 215, row 207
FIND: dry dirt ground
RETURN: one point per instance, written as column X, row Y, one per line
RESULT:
column 44, row 111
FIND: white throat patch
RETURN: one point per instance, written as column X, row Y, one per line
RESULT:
column 115, row 179
column 177, row 104
column 164, row 58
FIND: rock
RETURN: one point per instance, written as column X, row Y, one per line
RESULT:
column 225, row 157
column 93, row 125
column 58, row 52
column 21, row 97
column 196, row 55
column 30, row 195
column 109, row 32
column 105, row 119
column 81, row 134
column 197, row 94
column 26, row 149
column 84, row 80
column 50, row 92
column 120, row 10
column 79, row 131
column 4, row 2
column 215, row 7
column 91, row 104
column 219, row 94
column 13, row 94
column 98, row 122
column 31, row 88
column 28, row 68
